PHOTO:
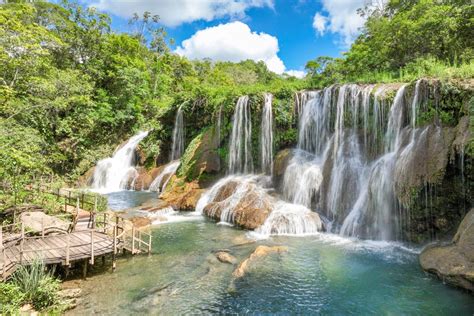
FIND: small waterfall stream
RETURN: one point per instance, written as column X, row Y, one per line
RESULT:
column 162, row 179
column 266, row 136
column 116, row 173
column 177, row 148
column 240, row 150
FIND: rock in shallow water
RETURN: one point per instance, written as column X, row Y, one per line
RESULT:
column 454, row 263
column 260, row 251
column 225, row 257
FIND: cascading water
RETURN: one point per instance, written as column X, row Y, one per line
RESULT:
column 240, row 150
column 266, row 136
column 284, row 219
column 116, row 173
column 160, row 182
column 353, row 155
column 351, row 143
column 177, row 148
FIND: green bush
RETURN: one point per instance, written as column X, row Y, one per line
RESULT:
column 11, row 298
column 38, row 287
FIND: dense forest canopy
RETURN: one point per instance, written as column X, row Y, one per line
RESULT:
column 71, row 88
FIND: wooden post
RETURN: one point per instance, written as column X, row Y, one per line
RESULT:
column 68, row 241
column 149, row 243
column 133, row 240
column 92, row 247
column 93, row 212
column 105, row 223
column 114, row 253
column 139, row 240
column 82, row 200
column 69, row 198
column 42, row 227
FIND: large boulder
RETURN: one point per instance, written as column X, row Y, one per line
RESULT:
column 182, row 195
column 37, row 221
column 240, row 201
column 454, row 263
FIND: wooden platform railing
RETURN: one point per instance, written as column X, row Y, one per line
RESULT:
column 122, row 234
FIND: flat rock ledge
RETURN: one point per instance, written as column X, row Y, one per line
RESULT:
column 454, row 263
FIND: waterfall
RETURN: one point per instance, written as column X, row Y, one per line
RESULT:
column 350, row 144
column 290, row 219
column 177, row 148
column 374, row 214
column 240, row 150
column 116, row 173
column 266, row 136
column 162, row 179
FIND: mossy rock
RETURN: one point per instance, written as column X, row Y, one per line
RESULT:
column 201, row 157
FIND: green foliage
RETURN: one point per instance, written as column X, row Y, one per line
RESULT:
column 403, row 41
column 33, row 285
column 11, row 298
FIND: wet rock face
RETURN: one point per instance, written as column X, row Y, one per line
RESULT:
column 280, row 163
column 183, row 197
column 454, row 263
column 244, row 205
column 86, row 179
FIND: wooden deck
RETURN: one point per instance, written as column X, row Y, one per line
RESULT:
column 83, row 243
column 59, row 249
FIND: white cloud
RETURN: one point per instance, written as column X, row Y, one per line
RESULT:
column 341, row 18
column 176, row 12
column 319, row 23
column 233, row 42
column 296, row 73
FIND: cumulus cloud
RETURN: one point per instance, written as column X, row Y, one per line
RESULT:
column 233, row 42
column 296, row 73
column 176, row 12
column 319, row 23
column 340, row 17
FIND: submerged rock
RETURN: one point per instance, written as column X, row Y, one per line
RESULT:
column 454, row 263
column 225, row 257
column 259, row 252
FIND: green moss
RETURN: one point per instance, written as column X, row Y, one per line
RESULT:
column 189, row 159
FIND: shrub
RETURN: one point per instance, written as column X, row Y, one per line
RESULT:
column 38, row 287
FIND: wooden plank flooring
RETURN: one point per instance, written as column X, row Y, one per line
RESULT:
column 53, row 249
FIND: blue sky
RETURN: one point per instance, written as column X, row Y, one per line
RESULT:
column 283, row 33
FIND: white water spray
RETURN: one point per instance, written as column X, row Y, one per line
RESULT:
column 117, row 172
column 266, row 136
